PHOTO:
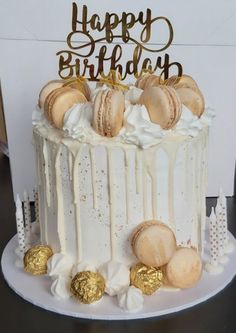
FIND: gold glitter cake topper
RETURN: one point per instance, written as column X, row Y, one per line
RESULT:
column 109, row 48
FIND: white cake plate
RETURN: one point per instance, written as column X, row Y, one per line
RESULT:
column 37, row 291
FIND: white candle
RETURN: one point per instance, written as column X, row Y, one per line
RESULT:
column 219, row 228
column 20, row 226
column 27, row 215
column 213, row 238
column 213, row 266
column 228, row 246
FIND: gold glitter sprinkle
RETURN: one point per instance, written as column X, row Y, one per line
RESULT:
column 147, row 279
column 35, row 259
column 88, row 287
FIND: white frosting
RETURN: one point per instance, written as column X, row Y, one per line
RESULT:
column 60, row 287
column 138, row 129
column 107, row 190
column 131, row 299
column 133, row 94
column 207, row 116
column 116, row 275
column 77, row 122
column 39, row 119
column 189, row 124
column 83, row 266
column 59, row 264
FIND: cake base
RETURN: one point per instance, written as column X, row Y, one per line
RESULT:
column 36, row 290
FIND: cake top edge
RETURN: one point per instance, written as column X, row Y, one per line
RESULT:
column 140, row 114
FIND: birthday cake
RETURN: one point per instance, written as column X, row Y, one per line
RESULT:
column 121, row 182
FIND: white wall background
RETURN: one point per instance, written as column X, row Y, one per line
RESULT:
column 32, row 31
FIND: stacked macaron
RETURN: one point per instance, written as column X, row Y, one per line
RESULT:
column 163, row 100
column 56, row 98
column 154, row 245
column 189, row 93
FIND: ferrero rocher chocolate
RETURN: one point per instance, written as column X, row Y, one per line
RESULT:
column 35, row 259
column 147, row 279
column 88, row 287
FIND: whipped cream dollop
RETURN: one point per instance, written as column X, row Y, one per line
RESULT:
column 77, row 122
column 116, row 275
column 131, row 299
column 138, row 128
column 83, row 266
column 133, row 94
column 59, row 264
column 190, row 124
column 60, row 287
column 39, row 119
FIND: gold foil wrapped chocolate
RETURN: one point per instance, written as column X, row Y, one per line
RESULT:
column 35, row 259
column 88, row 287
column 147, row 279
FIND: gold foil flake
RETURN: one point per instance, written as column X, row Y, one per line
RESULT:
column 35, row 259
column 147, row 279
column 88, row 287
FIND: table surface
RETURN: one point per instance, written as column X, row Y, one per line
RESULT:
column 217, row 315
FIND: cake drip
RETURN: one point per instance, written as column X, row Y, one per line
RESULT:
column 136, row 180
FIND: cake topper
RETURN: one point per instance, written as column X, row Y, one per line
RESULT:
column 108, row 49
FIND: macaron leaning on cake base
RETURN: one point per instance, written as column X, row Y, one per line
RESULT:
column 154, row 245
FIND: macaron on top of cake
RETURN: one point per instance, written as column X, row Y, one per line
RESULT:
column 59, row 101
column 163, row 105
column 153, row 243
column 108, row 114
column 189, row 93
column 47, row 89
column 184, row 81
column 192, row 99
column 148, row 80
column 81, row 85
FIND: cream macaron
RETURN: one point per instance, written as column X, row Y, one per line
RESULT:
column 163, row 105
column 153, row 243
column 192, row 99
column 184, row 269
column 108, row 115
column 148, row 80
column 47, row 89
column 189, row 93
column 59, row 101
column 184, row 81
column 82, row 86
